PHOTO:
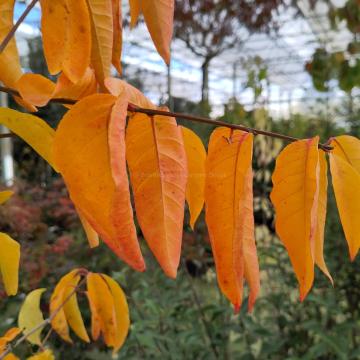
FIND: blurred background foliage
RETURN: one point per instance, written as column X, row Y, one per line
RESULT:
column 189, row 318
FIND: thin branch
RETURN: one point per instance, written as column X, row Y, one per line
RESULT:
column 47, row 321
column 11, row 33
column 199, row 119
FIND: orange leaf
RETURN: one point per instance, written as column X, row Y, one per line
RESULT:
column 119, row 87
column 346, row 183
column 117, row 34
column 65, row 28
column 35, row 89
column 102, row 37
column 295, row 196
column 91, row 234
column 229, row 213
column 85, row 144
column 102, row 302
column 321, row 216
column 158, row 172
column 159, row 16
column 135, row 11
column 196, row 158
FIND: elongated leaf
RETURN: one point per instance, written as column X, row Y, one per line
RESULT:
column 229, row 215
column 78, row 43
column 9, row 336
column 158, row 172
column 159, row 16
column 103, row 303
column 95, row 320
column 346, row 183
column 295, row 196
column 32, row 130
column 196, row 158
column 102, row 37
column 30, row 316
column 117, row 34
column 9, row 263
column 88, row 140
column 121, row 312
column 135, row 11
column 10, row 68
column 66, row 35
column 321, row 217
column 91, row 234
column 69, row 313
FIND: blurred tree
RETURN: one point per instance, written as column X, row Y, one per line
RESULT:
column 211, row 27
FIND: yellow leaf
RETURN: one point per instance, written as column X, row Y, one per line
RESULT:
column 10, row 68
column 32, row 130
column 69, row 314
column 102, row 37
column 44, row 355
column 321, row 216
column 135, row 11
column 11, row 357
column 117, row 34
column 9, row 263
column 30, row 316
column 158, row 172
column 229, row 213
column 346, row 183
column 103, row 303
column 88, row 140
column 65, row 26
column 121, row 312
column 196, row 158
column 95, row 320
column 159, row 16
column 348, row 148
column 295, row 196
column 5, row 196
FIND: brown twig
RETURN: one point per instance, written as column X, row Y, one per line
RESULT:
column 11, row 33
column 47, row 321
column 199, row 119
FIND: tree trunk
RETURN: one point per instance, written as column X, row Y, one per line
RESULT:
column 205, row 80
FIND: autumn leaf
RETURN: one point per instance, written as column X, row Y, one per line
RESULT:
column 158, row 172
column 66, row 308
column 135, row 11
column 102, row 37
column 229, row 213
column 9, row 263
column 89, row 138
column 32, row 130
column 10, row 68
column 295, row 196
column 9, row 336
column 159, row 16
column 65, row 27
column 321, row 216
column 196, row 158
column 121, row 312
column 91, row 234
column 103, row 303
column 348, row 148
column 30, row 316
column 117, row 34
